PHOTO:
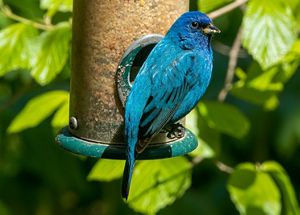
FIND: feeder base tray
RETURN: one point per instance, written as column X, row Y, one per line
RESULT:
column 118, row 151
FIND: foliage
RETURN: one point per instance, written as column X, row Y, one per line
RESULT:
column 16, row 41
column 269, row 31
column 165, row 181
column 254, row 192
column 262, row 189
column 56, row 5
column 288, row 198
column 258, row 121
column 204, row 150
column 106, row 170
column 224, row 118
column 52, row 53
column 38, row 109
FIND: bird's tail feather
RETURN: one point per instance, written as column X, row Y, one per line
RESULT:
column 127, row 175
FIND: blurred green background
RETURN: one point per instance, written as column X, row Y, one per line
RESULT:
column 248, row 159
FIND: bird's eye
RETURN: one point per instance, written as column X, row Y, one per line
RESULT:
column 195, row 25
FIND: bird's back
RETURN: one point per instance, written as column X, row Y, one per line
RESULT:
column 165, row 67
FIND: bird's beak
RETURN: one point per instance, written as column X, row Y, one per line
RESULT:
column 211, row 29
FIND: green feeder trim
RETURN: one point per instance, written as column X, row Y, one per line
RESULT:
column 160, row 147
column 154, row 151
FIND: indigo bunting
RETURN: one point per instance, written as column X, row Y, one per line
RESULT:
column 168, row 86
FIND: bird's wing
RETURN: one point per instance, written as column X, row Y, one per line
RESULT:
column 170, row 86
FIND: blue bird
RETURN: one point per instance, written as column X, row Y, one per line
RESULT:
column 169, row 84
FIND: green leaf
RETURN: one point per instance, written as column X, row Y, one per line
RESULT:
column 224, row 118
column 269, row 31
column 203, row 150
column 15, row 47
column 209, row 5
column 271, row 103
column 56, row 5
column 253, row 191
column 252, row 95
column 209, row 138
column 296, row 48
column 106, row 170
column 61, row 117
column 52, row 53
column 290, row 62
column 262, row 87
column 264, row 81
column 158, row 183
column 288, row 67
column 289, row 201
column 37, row 110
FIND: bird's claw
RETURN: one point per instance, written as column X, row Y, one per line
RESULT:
column 175, row 131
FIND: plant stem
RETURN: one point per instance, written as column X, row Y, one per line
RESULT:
column 224, row 49
column 223, row 167
column 196, row 160
column 226, row 9
column 220, row 165
column 233, row 58
column 9, row 14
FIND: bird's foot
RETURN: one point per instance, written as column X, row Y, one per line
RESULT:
column 175, row 131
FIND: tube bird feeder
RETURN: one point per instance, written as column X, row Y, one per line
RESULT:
column 111, row 40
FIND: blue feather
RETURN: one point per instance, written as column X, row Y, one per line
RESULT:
column 170, row 83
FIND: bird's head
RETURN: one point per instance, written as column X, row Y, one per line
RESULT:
column 192, row 30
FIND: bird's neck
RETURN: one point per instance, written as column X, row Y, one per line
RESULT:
column 203, row 43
